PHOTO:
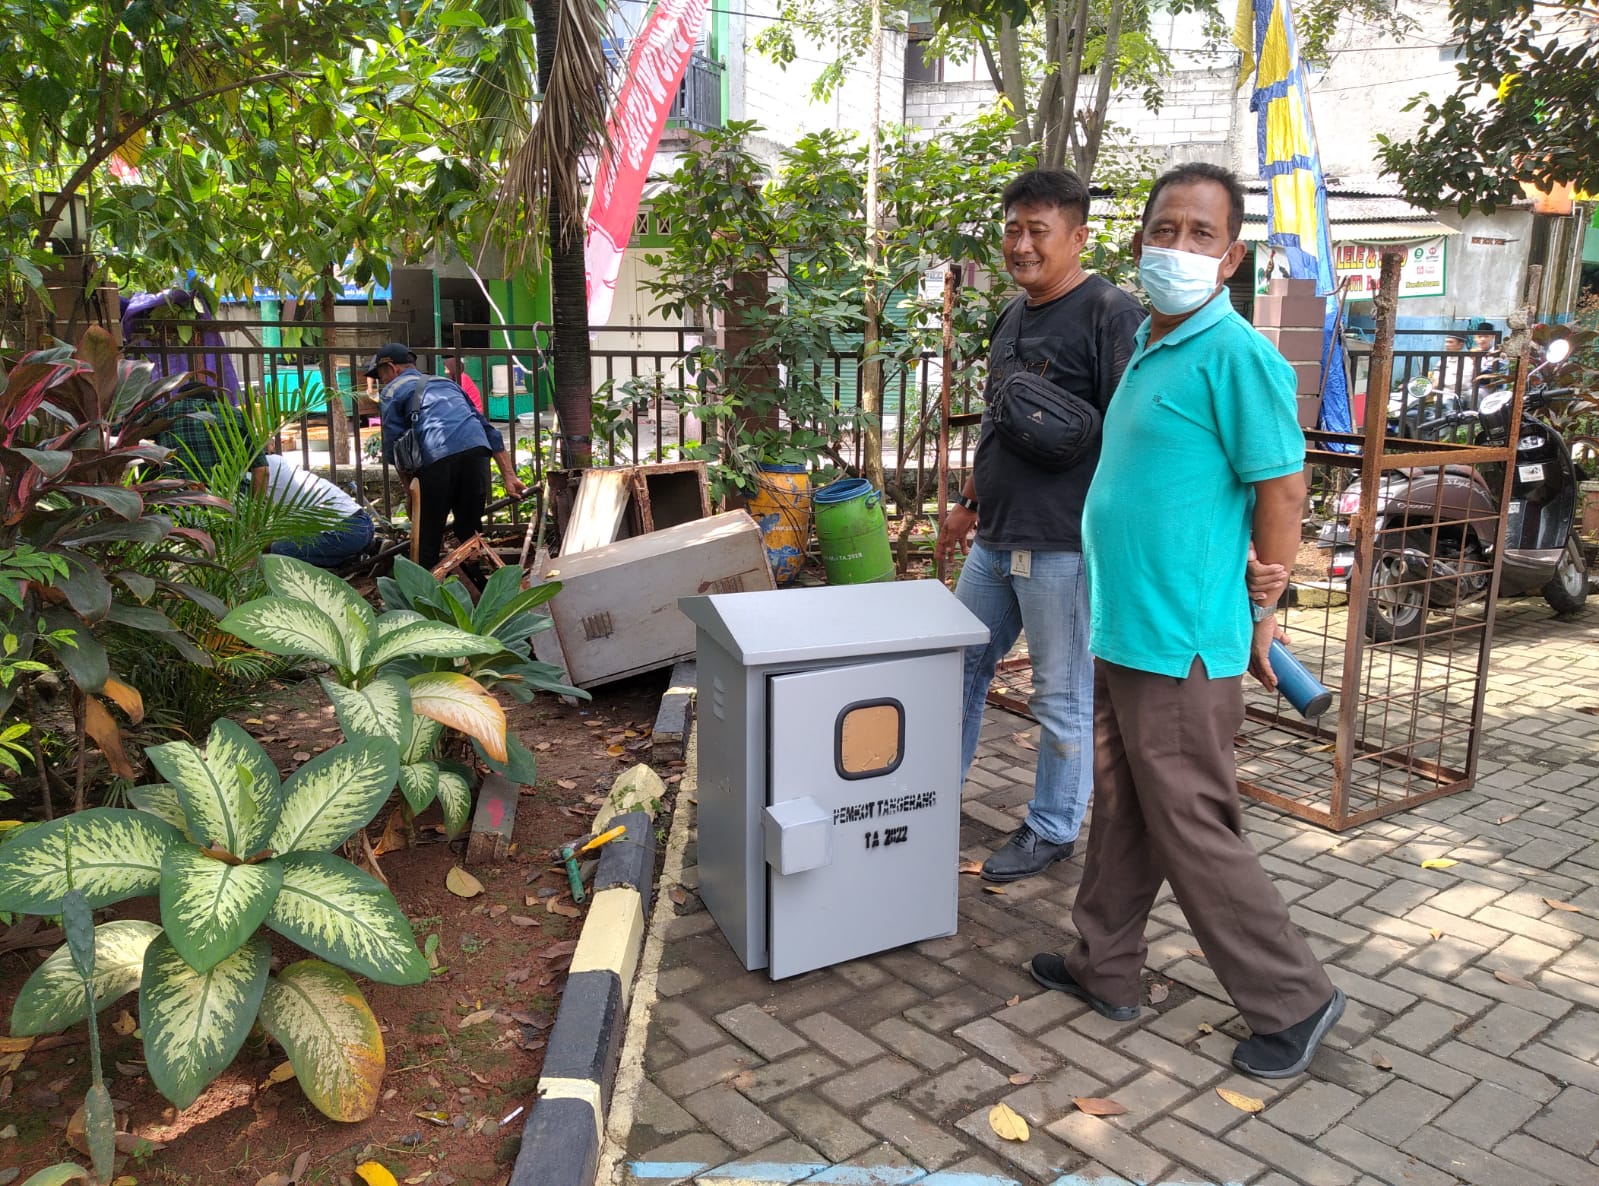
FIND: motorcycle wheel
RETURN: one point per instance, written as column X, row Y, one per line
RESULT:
column 1397, row 605
column 1567, row 590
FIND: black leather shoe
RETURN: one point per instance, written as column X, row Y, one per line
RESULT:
column 1049, row 970
column 1023, row 855
column 1289, row 1051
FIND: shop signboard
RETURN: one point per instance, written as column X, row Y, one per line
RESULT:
column 1423, row 275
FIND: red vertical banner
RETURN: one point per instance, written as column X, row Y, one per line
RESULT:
column 655, row 66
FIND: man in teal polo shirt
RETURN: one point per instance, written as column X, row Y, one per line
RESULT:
column 1202, row 458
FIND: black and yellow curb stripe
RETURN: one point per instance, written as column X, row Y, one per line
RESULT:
column 562, row 1135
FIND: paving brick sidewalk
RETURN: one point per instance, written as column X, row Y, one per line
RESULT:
column 1469, row 1051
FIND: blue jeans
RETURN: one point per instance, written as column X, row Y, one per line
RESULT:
column 1052, row 606
column 332, row 548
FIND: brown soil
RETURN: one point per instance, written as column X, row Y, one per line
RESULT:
column 503, row 951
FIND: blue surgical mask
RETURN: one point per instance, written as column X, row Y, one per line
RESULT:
column 1177, row 281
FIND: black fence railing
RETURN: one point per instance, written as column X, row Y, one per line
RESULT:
column 698, row 106
column 646, row 404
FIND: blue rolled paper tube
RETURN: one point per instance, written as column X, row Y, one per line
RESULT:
column 1303, row 690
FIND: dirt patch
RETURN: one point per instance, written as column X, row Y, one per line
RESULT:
column 464, row 1050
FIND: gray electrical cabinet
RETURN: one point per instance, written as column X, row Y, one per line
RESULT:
column 829, row 768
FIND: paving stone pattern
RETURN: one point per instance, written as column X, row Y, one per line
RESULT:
column 1469, row 1052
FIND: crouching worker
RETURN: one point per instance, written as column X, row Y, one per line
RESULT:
column 289, row 485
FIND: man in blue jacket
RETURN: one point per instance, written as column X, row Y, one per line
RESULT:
column 456, row 443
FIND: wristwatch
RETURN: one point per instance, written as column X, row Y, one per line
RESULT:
column 969, row 503
column 1259, row 613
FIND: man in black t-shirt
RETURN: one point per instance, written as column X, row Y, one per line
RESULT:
column 1024, row 569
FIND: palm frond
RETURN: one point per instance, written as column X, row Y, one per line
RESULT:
column 571, row 122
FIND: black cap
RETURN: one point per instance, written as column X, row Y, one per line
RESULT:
column 395, row 352
column 1482, row 327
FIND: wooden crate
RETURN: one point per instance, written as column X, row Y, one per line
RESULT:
column 616, row 614
column 659, row 496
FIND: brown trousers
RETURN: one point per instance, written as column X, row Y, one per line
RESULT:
column 1166, row 808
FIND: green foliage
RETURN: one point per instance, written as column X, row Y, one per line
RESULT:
column 805, row 226
column 251, row 852
column 1523, row 110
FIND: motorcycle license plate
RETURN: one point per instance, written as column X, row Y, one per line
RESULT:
column 1530, row 473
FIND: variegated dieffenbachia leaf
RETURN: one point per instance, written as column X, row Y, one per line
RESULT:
column 455, row 797
column 288, row 577
column 195, row 1022
column 283, row 626
column 419, row 783
column 346, row 916
column 424, row 736
column 381, row 709
column 317, row 1014
column 334, row 794
column 425, row 639
column 395, row 618
column 115, row 853
column 209, row 907
column 229, row 790
column 160, row 799
column 459, row 702
column 53, row 999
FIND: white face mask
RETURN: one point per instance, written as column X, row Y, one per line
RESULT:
column 1177, row 281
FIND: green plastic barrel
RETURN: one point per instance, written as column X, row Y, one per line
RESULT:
column 852, row 534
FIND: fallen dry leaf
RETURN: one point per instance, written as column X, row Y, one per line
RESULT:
column 461, row 883
column 476, row 1016
column 301, row 755
column 1244, row 1103
column 1158, row 993
column 497, row 909
column 1015, row 1000
column 565, row 910
column 10, row 1045
column 678, row 895
column 1024, row 741
column 1439, row 863
column 1007, row 1124
column 973, row 867
column 616, row 751
column 522, row 920
column 1380, row 1061
column 542, row 746
column 1205, row 1027
column 123, row 1025
column 1505, row 819
column 1558, row 905
column 1196, row 953
column 594, row 724
column 1022, row 1078
column 1098, row 1107
column 566, row 784
column 993, row 889
column 281, row 1073
column 1436, row 932
column 556, row 950
column 375, row 1173
column 394, row 835
column 288, row 1177
column 744, row 1080
column 1505, row 976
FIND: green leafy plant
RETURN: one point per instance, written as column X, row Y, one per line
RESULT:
column 314, row 614
column 75, row 503
column 228, row 848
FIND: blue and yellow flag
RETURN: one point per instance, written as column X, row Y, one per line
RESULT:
column 1296, row 193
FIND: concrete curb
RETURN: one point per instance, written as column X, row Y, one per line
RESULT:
column 563, row 1133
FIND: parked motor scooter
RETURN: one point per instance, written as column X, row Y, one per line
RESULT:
column 1436, row 528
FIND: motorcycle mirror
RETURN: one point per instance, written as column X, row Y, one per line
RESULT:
column 1558, row 350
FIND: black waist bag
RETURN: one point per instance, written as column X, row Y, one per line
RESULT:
column 1043, row 423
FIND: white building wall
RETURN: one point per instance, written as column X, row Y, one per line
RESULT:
column 779, row 98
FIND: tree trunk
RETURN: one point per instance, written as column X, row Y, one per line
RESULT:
column 1087, row 154
column 574, row 407
column 1014, row 79
column 1068, row 54
column 338, row 422
column 872, row 364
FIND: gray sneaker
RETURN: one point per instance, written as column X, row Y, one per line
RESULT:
column 1025, row 854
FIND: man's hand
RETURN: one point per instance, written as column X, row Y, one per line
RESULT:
column 514, row 486
column 1260, row 652
column 956, row 532
column 1266, row 582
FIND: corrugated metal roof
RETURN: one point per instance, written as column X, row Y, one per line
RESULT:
column 1351, row 218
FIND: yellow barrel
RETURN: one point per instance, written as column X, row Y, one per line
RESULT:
column 781, row 507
